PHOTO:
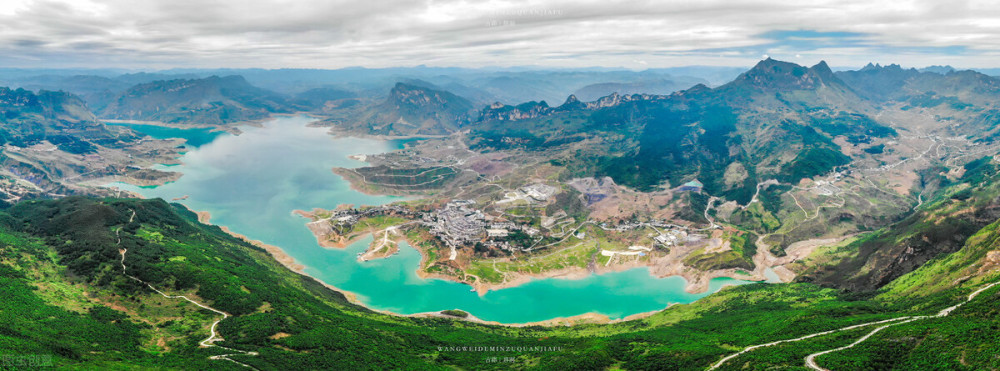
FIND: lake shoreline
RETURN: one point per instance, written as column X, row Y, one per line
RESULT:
column 231, row 128
column 290, row 263
column 278, row 254
column 696, row 282
column 209, row 187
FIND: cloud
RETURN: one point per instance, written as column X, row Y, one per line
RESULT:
column 331, row 34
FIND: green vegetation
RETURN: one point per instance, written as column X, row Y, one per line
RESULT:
column 672, row 148
column 856, row 127
column 963, row 340
column 28, row 118
column 72, row 144
column 812, row 162
column 369, row 224
column 570, row 201
column 455, row 313
column 500, row 140
column 54, row 318
column 739, row 255
column 70, row 246
column 576, row 255
column 409, row 110
column 930, row 99
column 791, row 355
column 485, row 271
column 875, row 149
column 757, row 217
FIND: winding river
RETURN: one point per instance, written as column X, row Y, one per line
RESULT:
column 252, row 182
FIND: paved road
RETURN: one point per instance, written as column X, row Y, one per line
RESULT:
column 811, row 359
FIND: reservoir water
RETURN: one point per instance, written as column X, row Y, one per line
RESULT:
column 195, row 137
column 252, row 182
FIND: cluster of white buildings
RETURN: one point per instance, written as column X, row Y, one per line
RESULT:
column 457, row 225
column 671, row 237
column 540, row 192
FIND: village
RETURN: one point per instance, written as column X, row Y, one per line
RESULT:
column 461, row 224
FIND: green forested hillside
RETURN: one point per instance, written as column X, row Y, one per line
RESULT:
column 65, row 297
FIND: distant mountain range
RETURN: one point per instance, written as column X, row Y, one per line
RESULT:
column 96, row 90
column 480, row 86
column 352, row 97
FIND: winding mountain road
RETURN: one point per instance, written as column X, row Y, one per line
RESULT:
column 213, row 335
column 810, row 360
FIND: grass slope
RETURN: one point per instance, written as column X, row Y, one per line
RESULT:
column 65, row 297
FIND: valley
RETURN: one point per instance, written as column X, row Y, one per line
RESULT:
column 284, row 179
column 502, row 185
column 792, row 200
column 501, row 205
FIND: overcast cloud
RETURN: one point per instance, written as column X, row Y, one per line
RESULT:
column 637, row 34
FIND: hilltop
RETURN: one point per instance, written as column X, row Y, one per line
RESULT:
column 407, row 110
column 209, row 101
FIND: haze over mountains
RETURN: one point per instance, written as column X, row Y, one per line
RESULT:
column 482, row 86
column 229, row 99
column 500, row 185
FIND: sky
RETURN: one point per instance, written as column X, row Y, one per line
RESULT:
column 158, row 34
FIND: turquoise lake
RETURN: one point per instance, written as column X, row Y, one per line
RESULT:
column 252, row 182
column 196, row 137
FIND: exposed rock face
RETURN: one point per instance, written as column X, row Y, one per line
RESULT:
column 615, row 99
column 502, row 112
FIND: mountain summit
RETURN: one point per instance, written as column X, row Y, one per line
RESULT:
column 770, row 74
column 411, row 109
